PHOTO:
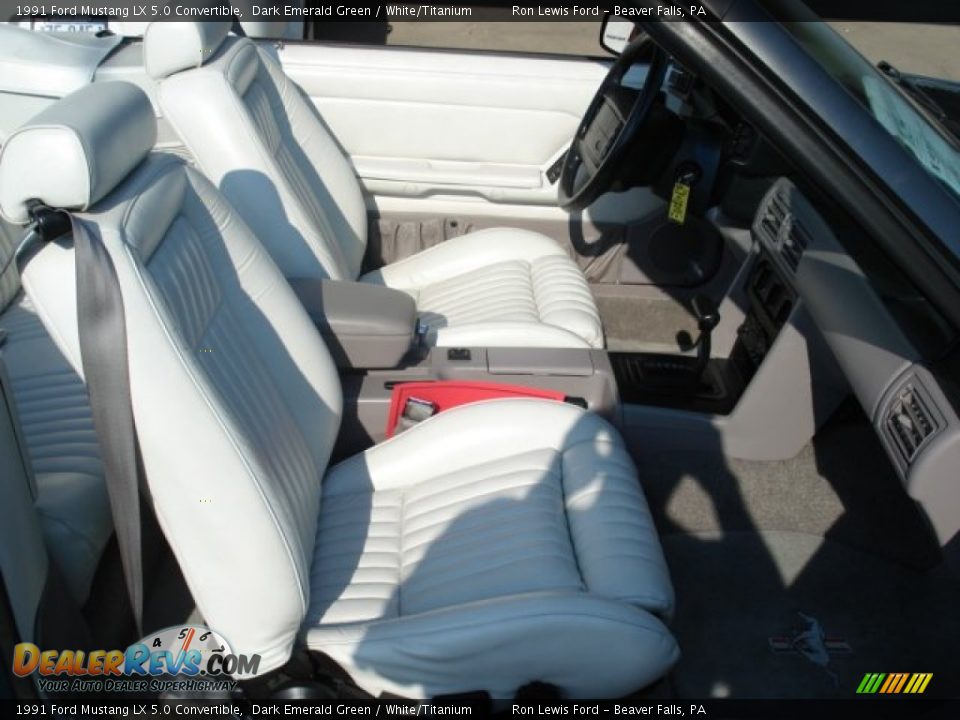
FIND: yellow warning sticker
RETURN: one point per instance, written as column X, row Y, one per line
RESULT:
column 678, row 203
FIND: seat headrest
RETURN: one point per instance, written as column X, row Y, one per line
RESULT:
column 269, row 29
column 169, row 47
column 77, row 150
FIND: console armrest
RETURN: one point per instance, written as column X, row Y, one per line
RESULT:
column 364, row 326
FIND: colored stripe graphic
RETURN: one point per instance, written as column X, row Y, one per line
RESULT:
column 901, row 683
column 894, row 683
column 918, row 683
column 911, row 683
column 875, row 683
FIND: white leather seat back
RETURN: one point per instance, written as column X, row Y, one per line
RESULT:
column 236, row 399
column 257, row 138
column 54, row 414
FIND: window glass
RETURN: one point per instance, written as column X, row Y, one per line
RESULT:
column 929, row 143
column 920, row 48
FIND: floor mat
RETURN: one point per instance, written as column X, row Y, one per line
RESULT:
column 737, row 592
column 632, row 324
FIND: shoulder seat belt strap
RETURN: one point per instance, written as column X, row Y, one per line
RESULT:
column 103, row 349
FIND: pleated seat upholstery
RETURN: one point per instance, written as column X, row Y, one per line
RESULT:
column 494, row 545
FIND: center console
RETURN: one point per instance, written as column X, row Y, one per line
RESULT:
column 770, row 379
column 757, row 382
column 372, row 334
column 584, row 377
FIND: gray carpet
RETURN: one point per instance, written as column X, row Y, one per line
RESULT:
column 831, row 534
column 841, row 486
column 737, row 590
column 632, row 324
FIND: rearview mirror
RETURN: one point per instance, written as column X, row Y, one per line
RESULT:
column 616, row 32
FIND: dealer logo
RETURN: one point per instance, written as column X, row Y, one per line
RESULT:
column 180, row 653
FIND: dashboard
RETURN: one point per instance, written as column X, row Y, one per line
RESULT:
column 897, row 387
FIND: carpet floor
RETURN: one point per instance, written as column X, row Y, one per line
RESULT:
column 763, row 550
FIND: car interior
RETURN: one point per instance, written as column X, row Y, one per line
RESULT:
column 463, row 371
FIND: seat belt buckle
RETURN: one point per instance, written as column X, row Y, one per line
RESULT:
column 415, row 411
column 420, row 333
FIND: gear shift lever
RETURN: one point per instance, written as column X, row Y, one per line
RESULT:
column 708, row 317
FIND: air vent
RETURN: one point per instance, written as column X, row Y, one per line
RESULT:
column 774, row 217
column 794, row 243
column 909, row 421
column 778, row 206
column 770, row 294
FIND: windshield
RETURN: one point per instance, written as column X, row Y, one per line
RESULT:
column 928, row 143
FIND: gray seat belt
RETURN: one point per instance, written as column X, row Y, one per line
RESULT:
column 103, row 350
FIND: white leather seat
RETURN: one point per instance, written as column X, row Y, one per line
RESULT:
column 263, row 144
column 54, row 415
column 494, row 545
column 484, row 537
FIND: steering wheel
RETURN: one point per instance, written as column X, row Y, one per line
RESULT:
column 609, row 127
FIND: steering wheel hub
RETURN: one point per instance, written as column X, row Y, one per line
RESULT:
column 612, row 124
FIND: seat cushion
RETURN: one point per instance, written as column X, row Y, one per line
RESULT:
column 498, row 287
column 483, row 512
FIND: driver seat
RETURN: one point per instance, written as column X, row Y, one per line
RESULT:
column 259, row 139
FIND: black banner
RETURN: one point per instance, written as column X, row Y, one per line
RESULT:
column 321, row 11
column 853, row 709
column 939, row 11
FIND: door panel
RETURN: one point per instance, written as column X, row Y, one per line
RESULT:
column 467, row 138
column 430, row 122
